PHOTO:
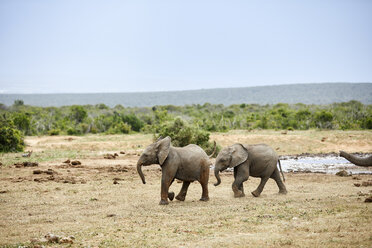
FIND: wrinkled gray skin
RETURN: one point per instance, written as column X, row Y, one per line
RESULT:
column 249, row 160
column 189, row 163
column 365, row 162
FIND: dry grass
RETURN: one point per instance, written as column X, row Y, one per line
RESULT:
column 319, row 210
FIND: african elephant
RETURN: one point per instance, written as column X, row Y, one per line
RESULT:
column 366, row 162
column 188, row 164
column 249, row 160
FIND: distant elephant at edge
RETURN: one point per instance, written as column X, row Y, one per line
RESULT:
column 188, row 164
column 365, row 162
column 258, row 160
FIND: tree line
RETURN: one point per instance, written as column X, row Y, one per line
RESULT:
column 19, row 119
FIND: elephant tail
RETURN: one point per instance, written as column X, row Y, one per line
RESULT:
column 280, row 167
column 214, row 149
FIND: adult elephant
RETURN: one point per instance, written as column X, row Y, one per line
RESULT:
column 258, row 160
column 188, row 164
column 365, row 162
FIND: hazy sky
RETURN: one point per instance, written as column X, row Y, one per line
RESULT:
column 126, row 46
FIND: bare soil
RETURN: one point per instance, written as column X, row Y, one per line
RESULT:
column 102, row 202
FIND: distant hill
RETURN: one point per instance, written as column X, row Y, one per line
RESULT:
column 322, row 93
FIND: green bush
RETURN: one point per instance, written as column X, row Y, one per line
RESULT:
column 73, row 131
column 135, row 123
column 78, row 113
column 119, row 128
column 22, row 122
column 54, row 132
column 183, row 134
column 11, row 139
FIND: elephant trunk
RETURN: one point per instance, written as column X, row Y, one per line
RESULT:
column 365, row 162
column 139, row 170
column 217, row 175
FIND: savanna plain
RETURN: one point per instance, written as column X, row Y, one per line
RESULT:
column 103, row 203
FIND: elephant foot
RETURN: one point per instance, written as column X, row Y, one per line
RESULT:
column 163, row 202
column 239, row 194
column 283, row 192
column 204, row 198
column 171, row 196
column 180, row 198
column 256, row 193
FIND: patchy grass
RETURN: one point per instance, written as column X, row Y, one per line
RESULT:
column 319, row 210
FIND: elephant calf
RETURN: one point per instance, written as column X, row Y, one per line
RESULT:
column 249, row 160
column 188, row 164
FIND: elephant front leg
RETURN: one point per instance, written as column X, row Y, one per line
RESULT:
column 236, row 190
column 166, row 181
column 241, row 174
column 260, row 187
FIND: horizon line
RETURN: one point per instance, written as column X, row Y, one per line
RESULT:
column 164, row 91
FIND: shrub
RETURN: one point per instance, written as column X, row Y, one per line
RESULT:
column 54, row 132
column 18, row 103
column 133, row 121
column 73, row 131
column 11, row 139
column 183, row 134
column 78, row 113
column 119, row 128
column 22, row 122
column 323, row 119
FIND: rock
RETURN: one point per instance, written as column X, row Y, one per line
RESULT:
column 37, row 172
column 342, row 173
column 366, row 184
column 48, row 172
column 368, row 199
column 4, row 191
column 109, row 156
column 323, row 139
column 26, row 164
column 111, row 215
column 67, row 161
column 357, row 184
column 356, row 178
column 52, row 238
column 75, row 162
column 66, row 240
column 115, row 182
column 122, row 152
column 115, row 154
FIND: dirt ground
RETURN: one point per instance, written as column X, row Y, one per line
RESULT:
column 102, row 202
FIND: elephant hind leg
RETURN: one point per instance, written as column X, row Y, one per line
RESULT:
column 204, row 177
column 279, row 182
column 260, row 187
column 182, row 195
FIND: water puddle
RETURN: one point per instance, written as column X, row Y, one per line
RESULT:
column 321, row 164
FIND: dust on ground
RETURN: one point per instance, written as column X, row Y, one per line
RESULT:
column 102, row 203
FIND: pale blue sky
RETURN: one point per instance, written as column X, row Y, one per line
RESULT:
column 126, row 46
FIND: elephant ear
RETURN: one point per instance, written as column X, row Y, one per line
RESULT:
column 163, row 149
column 239, row 155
